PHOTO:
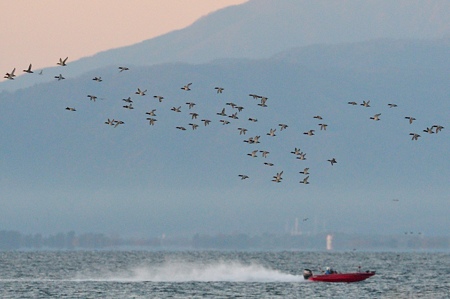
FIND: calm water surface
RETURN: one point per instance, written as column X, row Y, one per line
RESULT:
column 214, row 274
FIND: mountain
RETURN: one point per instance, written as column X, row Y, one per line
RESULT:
column 68, row 170
column 261, row 28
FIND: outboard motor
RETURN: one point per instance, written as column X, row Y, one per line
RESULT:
column 307, row 274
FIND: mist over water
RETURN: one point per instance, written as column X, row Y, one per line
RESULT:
column 178, row 271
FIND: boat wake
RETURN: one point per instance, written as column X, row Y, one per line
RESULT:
column 186, row 272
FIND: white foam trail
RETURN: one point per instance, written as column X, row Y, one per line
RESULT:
column 221, row 271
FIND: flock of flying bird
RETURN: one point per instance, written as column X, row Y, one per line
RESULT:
column 226, row 119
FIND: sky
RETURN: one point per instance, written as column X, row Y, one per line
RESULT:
column 55, row 200
column 40, row 32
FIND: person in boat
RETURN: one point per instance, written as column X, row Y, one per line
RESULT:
column 329, row 270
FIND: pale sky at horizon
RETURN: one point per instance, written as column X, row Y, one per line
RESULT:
column 40, row 32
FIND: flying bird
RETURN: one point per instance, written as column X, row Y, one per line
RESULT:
column 11, row 75
column 255, row 96
column 301, row 156
column 141, row 92
column 110, row 122
column 194, row 126
column 28, row 70
column 92, row 97
column 271, row 132
column 118, row 122
column 242, row 131
column 60, row 77
column 123, row 68
column 305, row 180
column 305, row 171
column 219, row 89
column 296, row 151
column 376, row 116
column 415, row 136
column 429, row 130
column 411, row 119
column 282, row 126
column 243, row 176
column 190, row 104
column 206, row 121
column 151, row 113
column 253, row 154
column 151, row 121
column 159, row 98
column 222, row 113
column 309, row 133
column 323, row 127
column 233, row 116
column 186, row 87
column 438, row 128
column 62, row 62
column 264, row 153
column 277, row 178
column 263, row 102
column 70, row 109
column 332, row 161
column 365, row 104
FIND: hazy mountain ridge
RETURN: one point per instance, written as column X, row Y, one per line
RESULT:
column 163, row 178
column 259, row 29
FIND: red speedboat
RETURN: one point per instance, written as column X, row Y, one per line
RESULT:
column 338, row 277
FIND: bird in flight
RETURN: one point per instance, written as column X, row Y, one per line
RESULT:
column 305, row 171
column 60, row 77
column 206, row 121
column 332, row 161
column 242, row 131
column 323, row 127
column 141, row 92
column 151, row 121
column 376, row 116
column 305, row 180
column 186, row 87
column 282, row 126
column 411, row 119
column 271, row 132
column 28, row 70
column 11, row 75
column 62, row 62
column 365, row 104
column 159, row 98
column 415, row 136
column 277, row 178
column 309, row 133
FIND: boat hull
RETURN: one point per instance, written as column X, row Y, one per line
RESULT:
column 343, row 277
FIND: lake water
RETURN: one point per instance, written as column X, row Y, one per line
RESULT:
column 217, row 274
